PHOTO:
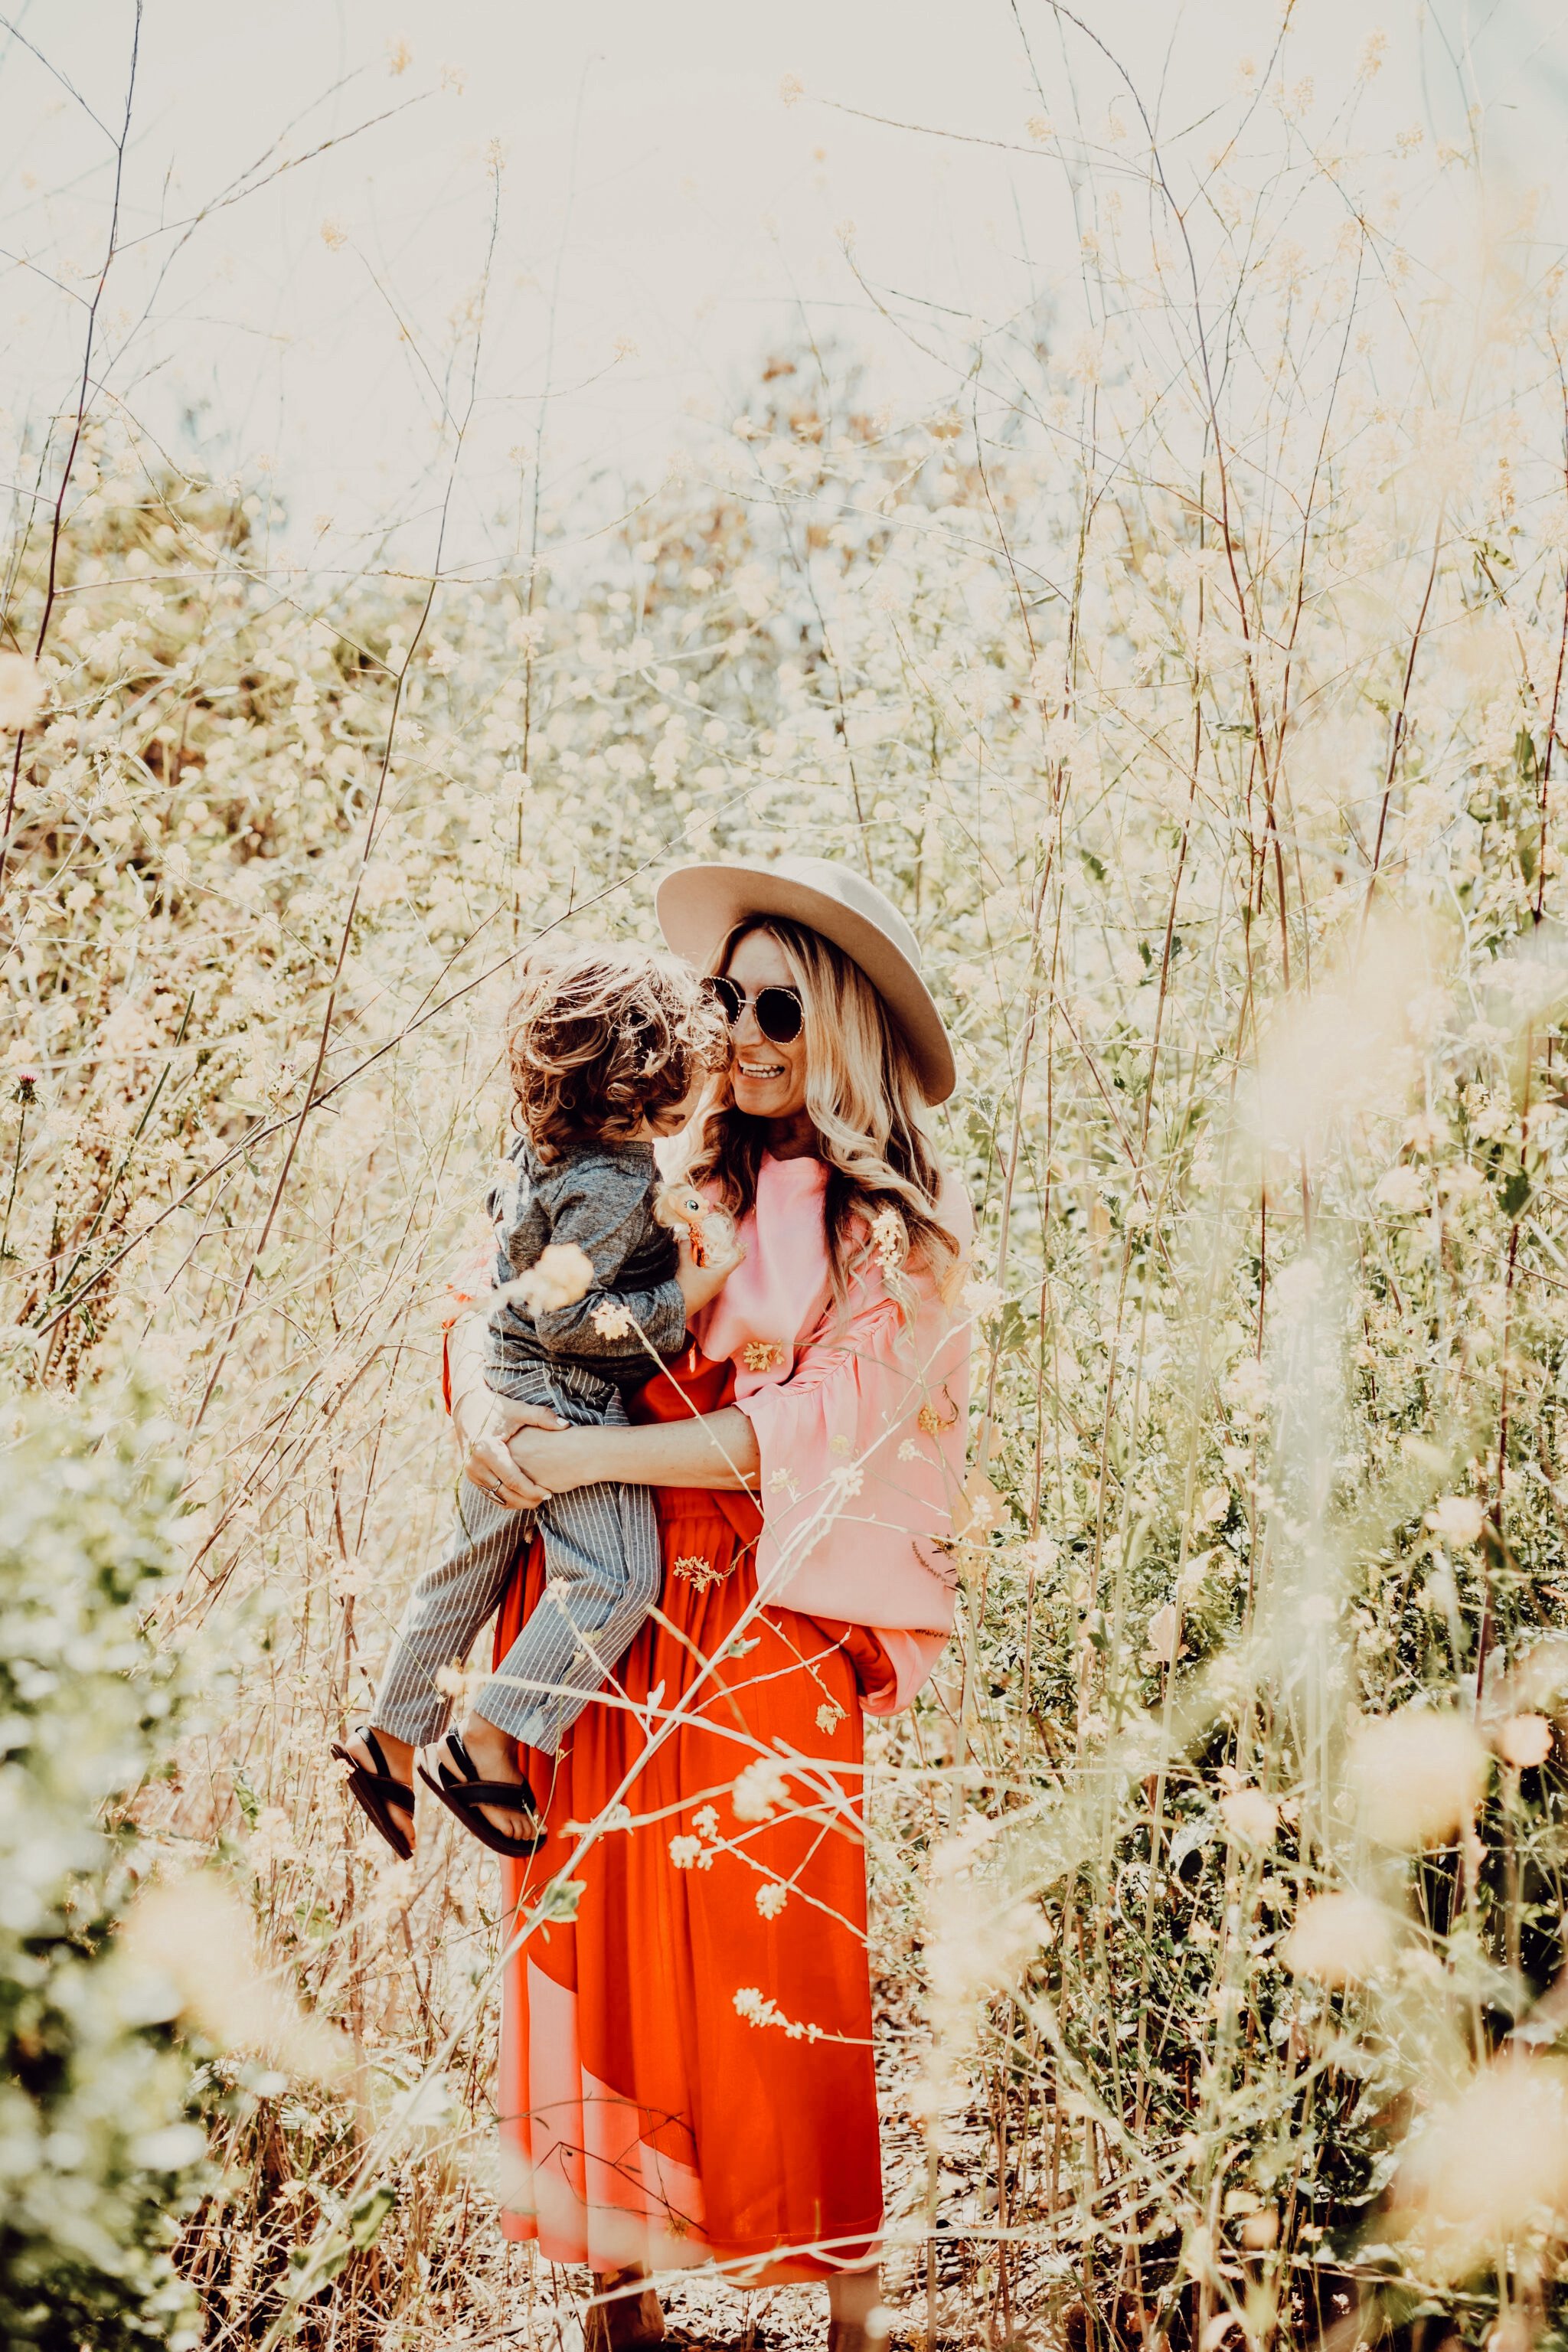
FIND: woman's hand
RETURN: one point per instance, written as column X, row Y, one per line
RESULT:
column 484, row 1423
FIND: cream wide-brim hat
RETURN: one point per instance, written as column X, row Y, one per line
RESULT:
column 699, row 906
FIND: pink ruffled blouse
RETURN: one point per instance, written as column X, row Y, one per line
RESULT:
column 860, row 1419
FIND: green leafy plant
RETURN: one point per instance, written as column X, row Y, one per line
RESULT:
column 97, row 2155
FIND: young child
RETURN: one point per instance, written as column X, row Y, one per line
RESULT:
column 607, row 1051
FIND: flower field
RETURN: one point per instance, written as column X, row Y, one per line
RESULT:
column 1192, row 677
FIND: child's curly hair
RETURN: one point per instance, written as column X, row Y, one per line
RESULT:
column 601, row 1038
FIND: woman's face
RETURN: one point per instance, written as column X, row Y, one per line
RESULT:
column 767, row 1080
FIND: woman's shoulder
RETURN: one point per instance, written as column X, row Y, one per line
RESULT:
column 930, row 1273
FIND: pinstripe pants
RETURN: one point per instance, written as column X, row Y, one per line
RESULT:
column 603, row 1563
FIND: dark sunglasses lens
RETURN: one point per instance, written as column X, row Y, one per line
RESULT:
column 778, row 1014
column 727, row 995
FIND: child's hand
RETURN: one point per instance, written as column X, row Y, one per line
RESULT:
column 698, row 1284
column 508, row 1414
column 485, row 1423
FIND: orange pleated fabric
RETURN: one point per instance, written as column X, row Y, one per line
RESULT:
column 686, row 2070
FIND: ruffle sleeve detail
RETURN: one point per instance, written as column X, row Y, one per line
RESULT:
column 862, row 1462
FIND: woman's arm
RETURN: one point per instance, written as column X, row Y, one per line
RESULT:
column 466, row 1371
column 715, row 1450
column 529, row 1456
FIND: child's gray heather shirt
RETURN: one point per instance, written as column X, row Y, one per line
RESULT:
column 600, row 1196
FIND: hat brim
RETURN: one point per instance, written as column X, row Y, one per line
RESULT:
column 699, row 906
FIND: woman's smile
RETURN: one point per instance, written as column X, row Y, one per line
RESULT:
column 766, row 1079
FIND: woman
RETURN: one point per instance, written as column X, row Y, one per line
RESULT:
column 686, row 2062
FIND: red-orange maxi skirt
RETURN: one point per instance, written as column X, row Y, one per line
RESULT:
column 685, row 2067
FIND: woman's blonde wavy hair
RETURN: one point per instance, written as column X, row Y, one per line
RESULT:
column 865, row 1101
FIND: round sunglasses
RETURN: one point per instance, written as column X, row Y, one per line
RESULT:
column 778, row 1016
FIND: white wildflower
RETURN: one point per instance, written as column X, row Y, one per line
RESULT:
column 197, row 1937
column 760, row 1789
column 889, row 1239
column 1249, row 1816
column 1457, row 1519
column 1402, row 1190
column 560, row 1275
column 272, row 1840
column 759, row 2009
column 21, row 693
column 1524, row 1741
column 1418, row 1775
column 984, row 1300
column 1339, row 1940
column 981, row 1507
column 1489, row 2165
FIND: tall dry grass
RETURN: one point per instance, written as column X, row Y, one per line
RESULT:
column 1193, row 680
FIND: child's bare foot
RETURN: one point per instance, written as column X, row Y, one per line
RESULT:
column 473, row 1766
column 495, row 1757
column 380, row 1781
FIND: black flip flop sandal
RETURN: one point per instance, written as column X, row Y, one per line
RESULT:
column 379, row 1792
column 463, row 1793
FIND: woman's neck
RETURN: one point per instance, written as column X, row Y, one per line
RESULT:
column 793, row 1138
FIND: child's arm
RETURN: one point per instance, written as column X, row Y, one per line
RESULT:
column 602, row 1208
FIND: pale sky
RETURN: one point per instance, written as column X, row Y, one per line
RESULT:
column 663, row 215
